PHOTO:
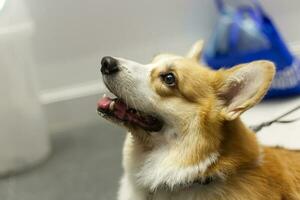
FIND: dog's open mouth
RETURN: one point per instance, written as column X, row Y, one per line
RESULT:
column 117, row 109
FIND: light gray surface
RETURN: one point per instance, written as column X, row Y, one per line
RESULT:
column 72, row 35
column 86, row 161
column 85, row 165
column 286, row 135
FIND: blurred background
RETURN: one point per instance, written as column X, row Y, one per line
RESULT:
column 52, row 143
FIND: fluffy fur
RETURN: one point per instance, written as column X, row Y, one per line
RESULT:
column 202, row 136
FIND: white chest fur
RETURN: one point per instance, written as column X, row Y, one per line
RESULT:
column 159, row 168
column 146, row 171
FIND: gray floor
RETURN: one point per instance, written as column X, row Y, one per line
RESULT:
column 85, row 165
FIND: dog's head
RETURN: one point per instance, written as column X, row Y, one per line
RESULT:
column 176, row 99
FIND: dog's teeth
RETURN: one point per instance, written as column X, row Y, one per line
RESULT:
column 101, row 114
column 112, row 105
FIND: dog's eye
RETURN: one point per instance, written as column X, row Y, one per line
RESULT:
column 169, row 79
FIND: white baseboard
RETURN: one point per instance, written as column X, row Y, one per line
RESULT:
column 71, row 92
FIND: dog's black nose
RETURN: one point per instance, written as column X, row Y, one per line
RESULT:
column 109, row 65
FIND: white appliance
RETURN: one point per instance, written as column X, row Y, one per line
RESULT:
column 23, row 137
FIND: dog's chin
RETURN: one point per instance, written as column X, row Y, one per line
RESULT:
column 117, row 111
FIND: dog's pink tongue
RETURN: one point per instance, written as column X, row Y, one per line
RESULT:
column 119, row 108
column 104, row 103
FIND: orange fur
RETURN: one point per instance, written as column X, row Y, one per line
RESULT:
column 206, row 124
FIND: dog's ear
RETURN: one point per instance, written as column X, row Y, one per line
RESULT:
column 196, row 50
column 244, row 86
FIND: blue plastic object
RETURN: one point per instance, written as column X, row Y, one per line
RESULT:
column 245, row 33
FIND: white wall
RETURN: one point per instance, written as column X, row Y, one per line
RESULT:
column 72, row 35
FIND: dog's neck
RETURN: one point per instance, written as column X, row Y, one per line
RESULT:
column 237, row 149
column 230, row 147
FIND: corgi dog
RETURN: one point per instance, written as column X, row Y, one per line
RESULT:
column 185, row 138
